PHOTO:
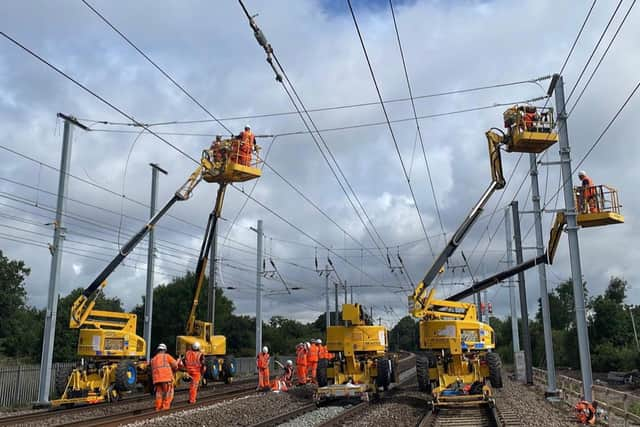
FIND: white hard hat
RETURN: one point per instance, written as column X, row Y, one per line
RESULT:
column 582, row 173
column 247, row 127
column 318, row 341
column 289, row 362
column 307, row 345
column 195, row 345
column 162, row 347
column 265, row 349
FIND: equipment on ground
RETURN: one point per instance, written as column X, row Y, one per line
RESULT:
column 112, row 354
column 225, row 163
column 458, row 358
column 361, row 363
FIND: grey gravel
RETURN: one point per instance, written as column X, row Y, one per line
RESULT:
column 529, row 403
column 244, row 411
column 316, row 417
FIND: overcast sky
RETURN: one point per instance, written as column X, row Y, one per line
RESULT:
column 209, row 48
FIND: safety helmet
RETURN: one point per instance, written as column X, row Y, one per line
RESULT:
column 265, row 349
column 307, row 345
column 162, row 347
column 318, row 341
column 582, row 173
column 195, row 346
column 247, row 127
column 289, row 363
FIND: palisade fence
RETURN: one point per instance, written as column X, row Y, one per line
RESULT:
column 613, row 401
column 19, row 384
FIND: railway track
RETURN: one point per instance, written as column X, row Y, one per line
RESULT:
column 41, row 417
column 148, row 413
column 405, row 364
column 470, row 416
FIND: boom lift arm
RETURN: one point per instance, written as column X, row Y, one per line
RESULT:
column 545, row 258
column 82, row 312
column 419, row 301
column 203, row 258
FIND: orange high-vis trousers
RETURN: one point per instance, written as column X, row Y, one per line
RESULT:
column 263, row 378
column 164, row 396
column 193, row 387
column 301, row 371
column 312, row 367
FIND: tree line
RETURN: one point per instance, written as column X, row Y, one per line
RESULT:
column 612, row 340
column 21, row 326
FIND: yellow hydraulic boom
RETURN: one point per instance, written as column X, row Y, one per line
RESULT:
column 111, row 351
column 458, row 360
column 223, row 167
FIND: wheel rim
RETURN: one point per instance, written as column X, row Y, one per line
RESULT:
column 131, row 375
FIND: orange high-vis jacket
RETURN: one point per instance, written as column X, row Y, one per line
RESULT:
column 301, row 357
column 314, row 352
column 162, row 367
column 262, row 360
column 324, row 353
column 247, row 137
column 193, row 361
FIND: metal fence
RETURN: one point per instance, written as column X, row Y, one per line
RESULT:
column 19, row 384
column 615, row 401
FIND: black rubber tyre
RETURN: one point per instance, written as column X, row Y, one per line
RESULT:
column 495, row 369
column 422, row 372
column 321, row 372
column 126, row 376
column 228, row 369
column 210, row 363
column 62, row 378
column 384, row 373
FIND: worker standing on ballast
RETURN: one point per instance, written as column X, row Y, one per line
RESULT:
column 195, row 366
column 262, row 362
column 301, row 363
column 162, row 368
column 587, row 197
column 312, row 360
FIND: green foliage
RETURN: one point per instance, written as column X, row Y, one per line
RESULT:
column 12, row 275
column 405, row 335
column 24, row 340
column 609, row 357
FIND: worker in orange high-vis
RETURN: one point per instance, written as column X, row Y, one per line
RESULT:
column 588, row 194
column 245, row 145
column 262, row 362
column 162, row 368
column 194, row 364
column 312, row 360
column 324, row 351
column 301, row 363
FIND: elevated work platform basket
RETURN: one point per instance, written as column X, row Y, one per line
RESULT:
column 529, row 129
column 597, row 206
column 226, row 163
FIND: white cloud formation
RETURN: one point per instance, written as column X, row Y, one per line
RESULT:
column 210, row 49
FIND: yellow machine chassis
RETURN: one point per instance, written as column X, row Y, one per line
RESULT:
column 361, row 347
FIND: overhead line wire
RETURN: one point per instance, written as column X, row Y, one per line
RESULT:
column 393, row 137
column 415, row 115
column 157, row 67
column 323, row 109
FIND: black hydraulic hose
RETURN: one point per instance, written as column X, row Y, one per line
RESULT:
column 499, row 277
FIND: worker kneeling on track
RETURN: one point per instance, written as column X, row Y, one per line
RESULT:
column 195, row 367
column 586, row 412
column 163, row 365
column 284, row 382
